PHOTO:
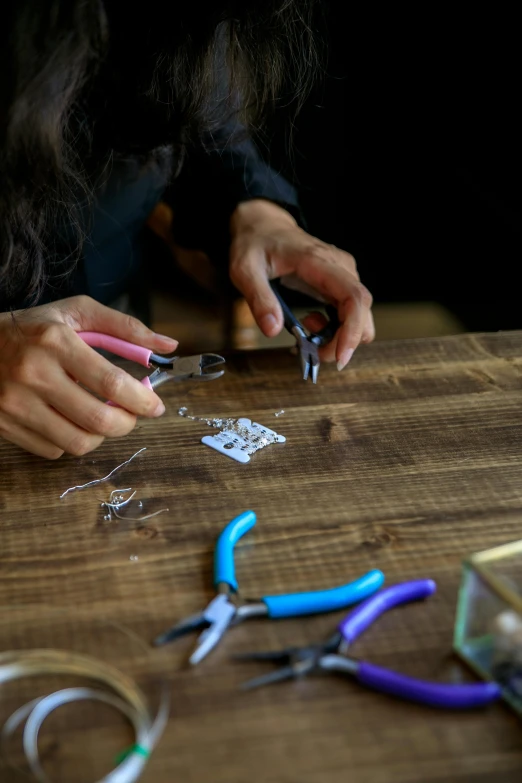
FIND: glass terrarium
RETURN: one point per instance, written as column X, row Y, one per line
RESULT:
column 488, row 628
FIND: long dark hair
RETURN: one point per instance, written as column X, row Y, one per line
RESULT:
column 84, row 80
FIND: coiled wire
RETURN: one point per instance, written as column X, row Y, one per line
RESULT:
column 127, row 698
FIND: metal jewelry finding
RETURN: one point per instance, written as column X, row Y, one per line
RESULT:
column 117, row 501
column 238, row 438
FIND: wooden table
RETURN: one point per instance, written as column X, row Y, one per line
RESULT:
column 408, row 461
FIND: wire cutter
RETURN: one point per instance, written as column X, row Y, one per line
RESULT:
column 307, row 345
column 168, row 368
column 226, row 609
column 332, row 656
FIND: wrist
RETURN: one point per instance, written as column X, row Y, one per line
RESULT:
column 248, row 215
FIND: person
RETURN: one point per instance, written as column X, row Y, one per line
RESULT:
column 103, row 109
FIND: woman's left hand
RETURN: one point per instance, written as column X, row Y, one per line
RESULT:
column 267, row 243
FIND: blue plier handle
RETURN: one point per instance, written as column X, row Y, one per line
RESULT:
column 293, row 604
column 225, row 609
column 224, row 566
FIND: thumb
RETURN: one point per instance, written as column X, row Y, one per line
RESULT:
column 85, row 314
column 249, row 274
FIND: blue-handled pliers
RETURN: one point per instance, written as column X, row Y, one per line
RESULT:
column 227, row 609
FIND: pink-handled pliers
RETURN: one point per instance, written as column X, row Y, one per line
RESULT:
column 168, row 368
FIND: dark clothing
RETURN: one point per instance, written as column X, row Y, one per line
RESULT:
column 203, row 197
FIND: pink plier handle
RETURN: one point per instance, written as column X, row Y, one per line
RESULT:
column 135, row 353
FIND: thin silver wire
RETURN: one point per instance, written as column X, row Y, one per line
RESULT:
column 105, row 478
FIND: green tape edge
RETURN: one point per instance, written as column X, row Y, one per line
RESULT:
column 139, row 749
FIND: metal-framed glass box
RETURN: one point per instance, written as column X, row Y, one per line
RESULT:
column 488, row 627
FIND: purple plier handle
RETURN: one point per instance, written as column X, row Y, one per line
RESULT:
column 449, row 696
column 435, row 694
column 366, row 613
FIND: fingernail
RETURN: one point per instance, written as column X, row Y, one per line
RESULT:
column 268, row 323
column 169, row 341
column 341, row 364
column 160, row 409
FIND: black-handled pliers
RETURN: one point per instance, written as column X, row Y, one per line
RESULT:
column 307, row 344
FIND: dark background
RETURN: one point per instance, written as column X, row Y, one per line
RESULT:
column 408, row 155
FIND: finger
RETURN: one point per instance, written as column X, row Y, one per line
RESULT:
column 250, row 275
column 314, row 322
column 29, row 441
column 327, row 353
column 85, row 314
column 351, row 330
column 90, row 414
column 369, row 330
column 106, row 379
column 353, row 301
column 50, row 425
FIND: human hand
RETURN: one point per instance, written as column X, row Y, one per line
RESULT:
column 267, row 243
column 43, row 407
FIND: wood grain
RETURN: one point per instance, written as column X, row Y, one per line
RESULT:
column 407, row 461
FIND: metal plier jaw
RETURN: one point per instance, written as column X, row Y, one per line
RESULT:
column 169, row 368
column 308, row 353
column 294, row 662
column 222, row 612
column 181, row 368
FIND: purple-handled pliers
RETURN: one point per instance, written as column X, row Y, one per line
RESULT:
column 332, row 656
column 169, row 368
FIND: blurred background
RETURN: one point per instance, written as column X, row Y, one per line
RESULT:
column 407, row 154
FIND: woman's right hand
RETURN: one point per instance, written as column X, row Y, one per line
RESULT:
column 43, row 408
